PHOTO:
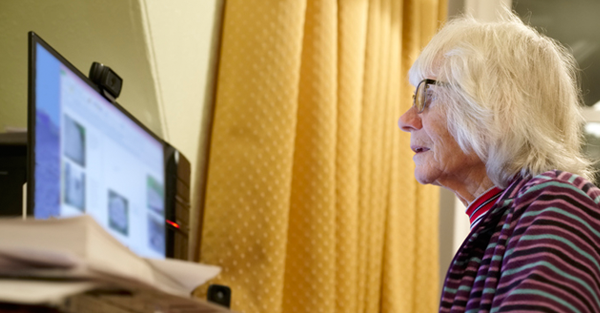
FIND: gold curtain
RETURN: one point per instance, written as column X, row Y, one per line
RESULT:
column 311, row 203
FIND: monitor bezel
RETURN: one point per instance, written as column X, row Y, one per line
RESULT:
column 35, row 39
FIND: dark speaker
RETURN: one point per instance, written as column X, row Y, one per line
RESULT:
column 13, row 172
column 219, row 294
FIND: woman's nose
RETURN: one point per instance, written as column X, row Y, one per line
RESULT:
column 410, row 120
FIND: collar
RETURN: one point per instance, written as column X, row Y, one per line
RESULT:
column 482, row 204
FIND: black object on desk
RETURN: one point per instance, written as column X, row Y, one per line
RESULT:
column 13, row 172
column 219, row 294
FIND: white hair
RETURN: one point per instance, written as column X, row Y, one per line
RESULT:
column 510, row 95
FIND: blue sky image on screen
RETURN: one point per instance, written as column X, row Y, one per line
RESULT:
column 92, row 159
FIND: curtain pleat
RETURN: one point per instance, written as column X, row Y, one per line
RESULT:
column 396, row 293
column 352, row 29
column 377, row 104
column 247, row 206
column 366, row 210
column 310, row 262
column 311, row 203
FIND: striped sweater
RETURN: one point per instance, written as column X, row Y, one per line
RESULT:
column 536, row 250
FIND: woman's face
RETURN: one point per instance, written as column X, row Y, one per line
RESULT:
column 438, row 158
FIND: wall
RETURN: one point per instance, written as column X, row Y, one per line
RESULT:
column 183, row 41
column 486, row 10
column 108, row 31
column 454, row 223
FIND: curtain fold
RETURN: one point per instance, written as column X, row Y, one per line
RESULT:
column 249, row 178
column 311, row 203
column 310, row 263
column 352, row 30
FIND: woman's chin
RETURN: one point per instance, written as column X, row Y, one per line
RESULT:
column 424, row 177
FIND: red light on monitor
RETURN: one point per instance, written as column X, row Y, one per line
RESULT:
column 172, row 224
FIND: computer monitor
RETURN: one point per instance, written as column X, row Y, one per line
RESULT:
column 89, row 155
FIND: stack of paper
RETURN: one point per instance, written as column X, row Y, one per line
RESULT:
column 45, row 261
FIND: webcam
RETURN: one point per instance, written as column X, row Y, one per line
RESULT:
column 106, row 79
column 219, row 294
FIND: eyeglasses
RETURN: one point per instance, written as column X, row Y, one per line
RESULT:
column 423, row 95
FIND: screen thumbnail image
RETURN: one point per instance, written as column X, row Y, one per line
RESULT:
column 156, row 231
column 74, row 186
column 118, row 213
column 155, row 195
column 74, row 144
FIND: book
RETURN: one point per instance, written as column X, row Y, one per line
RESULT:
column 74, row 255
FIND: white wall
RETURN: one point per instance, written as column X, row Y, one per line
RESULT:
column 183, row 40
column 486, row 10
column 454, row 223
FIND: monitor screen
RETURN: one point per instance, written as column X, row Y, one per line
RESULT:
column 89, row 156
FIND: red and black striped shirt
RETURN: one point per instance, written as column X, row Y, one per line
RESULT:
column 482, row 204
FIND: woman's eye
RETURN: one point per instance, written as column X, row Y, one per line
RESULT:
column 429, row 96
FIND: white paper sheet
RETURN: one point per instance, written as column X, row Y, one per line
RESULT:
column 80, row 249
column 40, row 292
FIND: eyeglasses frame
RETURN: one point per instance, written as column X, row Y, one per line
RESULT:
column 427, row 82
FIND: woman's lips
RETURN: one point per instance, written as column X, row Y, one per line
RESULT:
column 419, row 149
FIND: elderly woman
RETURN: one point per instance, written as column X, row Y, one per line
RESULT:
column 497, row 120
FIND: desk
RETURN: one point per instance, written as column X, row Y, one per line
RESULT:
column 118, row 301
